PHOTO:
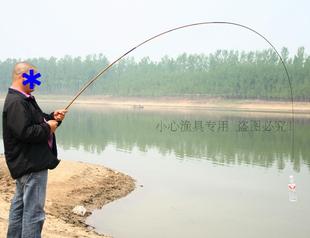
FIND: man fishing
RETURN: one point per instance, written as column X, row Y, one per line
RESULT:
column 30, row 150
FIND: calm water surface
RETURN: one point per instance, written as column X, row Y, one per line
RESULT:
column 199, row 174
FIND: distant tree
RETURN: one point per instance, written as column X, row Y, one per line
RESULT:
column 224, row 73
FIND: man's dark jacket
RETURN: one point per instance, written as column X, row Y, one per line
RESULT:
column 25, row 136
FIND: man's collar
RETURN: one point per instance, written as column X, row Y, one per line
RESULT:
column 23, row 94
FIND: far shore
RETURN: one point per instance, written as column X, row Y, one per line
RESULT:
column 70, row 184
column 171, row 103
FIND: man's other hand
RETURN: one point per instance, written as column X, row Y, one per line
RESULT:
column 53, row 125
column 59, row 115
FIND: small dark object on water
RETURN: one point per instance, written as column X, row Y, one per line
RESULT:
column 139, row 106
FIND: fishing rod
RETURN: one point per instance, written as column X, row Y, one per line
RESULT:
column 188, row 26
column 175, row 29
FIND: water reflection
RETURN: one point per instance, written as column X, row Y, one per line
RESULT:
column 93, row 129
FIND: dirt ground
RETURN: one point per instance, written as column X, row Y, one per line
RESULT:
column 70, row 184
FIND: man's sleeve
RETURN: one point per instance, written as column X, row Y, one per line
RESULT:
column 20, row 123
column 48, row 116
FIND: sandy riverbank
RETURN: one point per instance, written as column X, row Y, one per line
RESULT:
column 155, row 103
column 71, row 184
column 171, row 103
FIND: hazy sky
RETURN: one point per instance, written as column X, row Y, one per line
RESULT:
column 47, row 28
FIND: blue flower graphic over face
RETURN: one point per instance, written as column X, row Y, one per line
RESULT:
column 31, row 78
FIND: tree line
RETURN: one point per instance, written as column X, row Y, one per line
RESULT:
column 224, row 73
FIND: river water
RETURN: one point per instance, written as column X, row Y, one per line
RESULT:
column 198, row 174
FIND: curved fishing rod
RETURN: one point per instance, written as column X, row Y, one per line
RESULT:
column 187, row 26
